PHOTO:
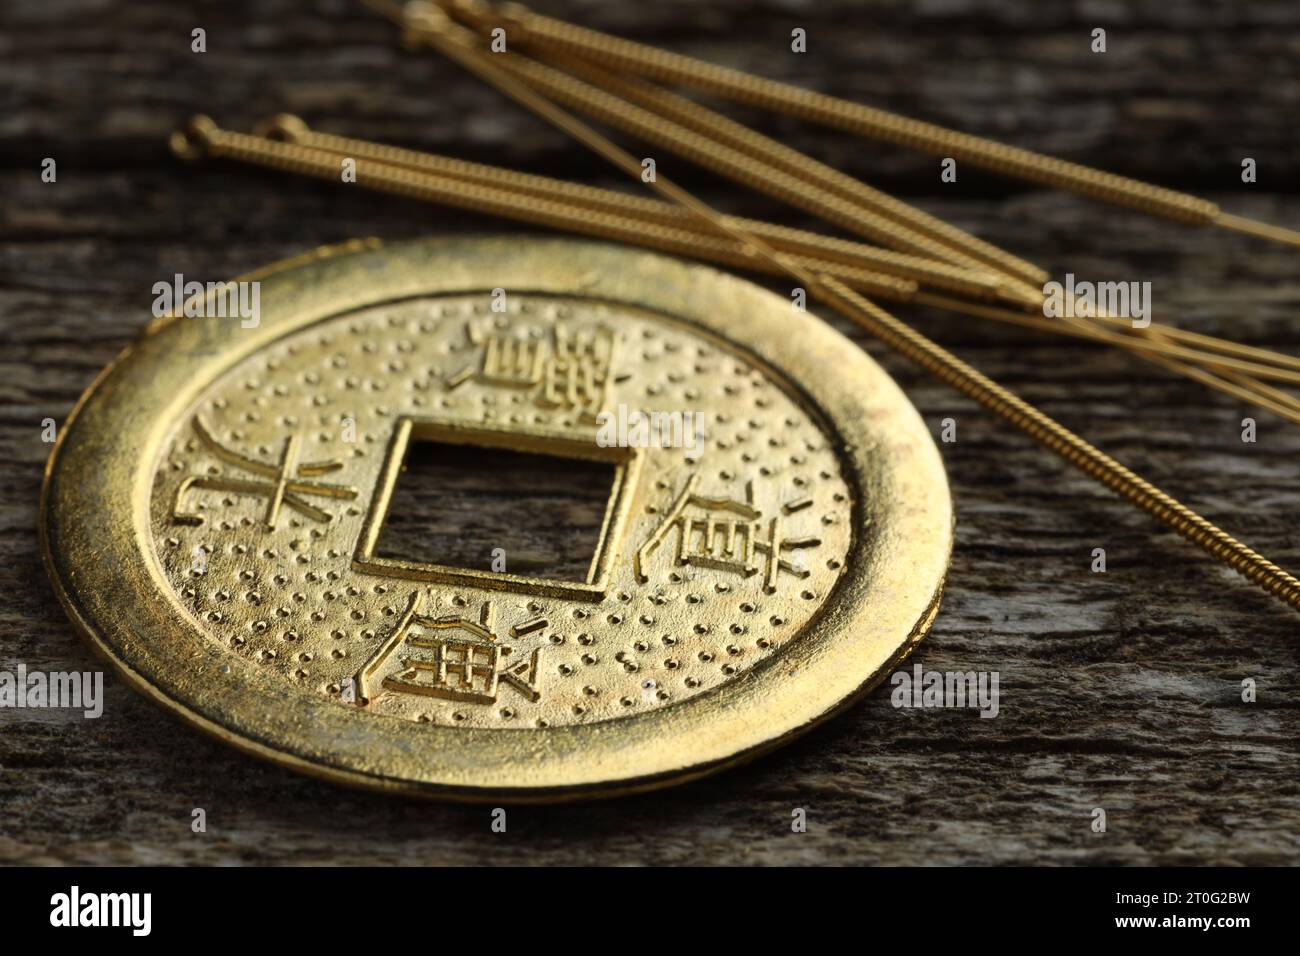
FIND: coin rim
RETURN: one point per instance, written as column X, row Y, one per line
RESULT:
column 883, row 604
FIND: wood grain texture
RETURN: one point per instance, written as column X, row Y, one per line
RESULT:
column 1119, row 690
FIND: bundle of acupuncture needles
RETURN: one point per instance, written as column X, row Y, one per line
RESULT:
column 562, row 71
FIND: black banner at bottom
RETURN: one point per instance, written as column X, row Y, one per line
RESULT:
column 436, row 906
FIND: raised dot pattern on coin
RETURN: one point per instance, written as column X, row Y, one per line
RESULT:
column 265, row 492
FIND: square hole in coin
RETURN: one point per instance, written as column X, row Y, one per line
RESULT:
column 453, row 505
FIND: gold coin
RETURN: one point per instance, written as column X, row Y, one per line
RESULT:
column 775, row 535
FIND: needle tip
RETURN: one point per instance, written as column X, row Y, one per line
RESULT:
column 1262, row 230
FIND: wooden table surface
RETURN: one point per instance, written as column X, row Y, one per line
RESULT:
column 1118, row 690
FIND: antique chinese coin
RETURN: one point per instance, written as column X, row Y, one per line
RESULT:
column 775, row 535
